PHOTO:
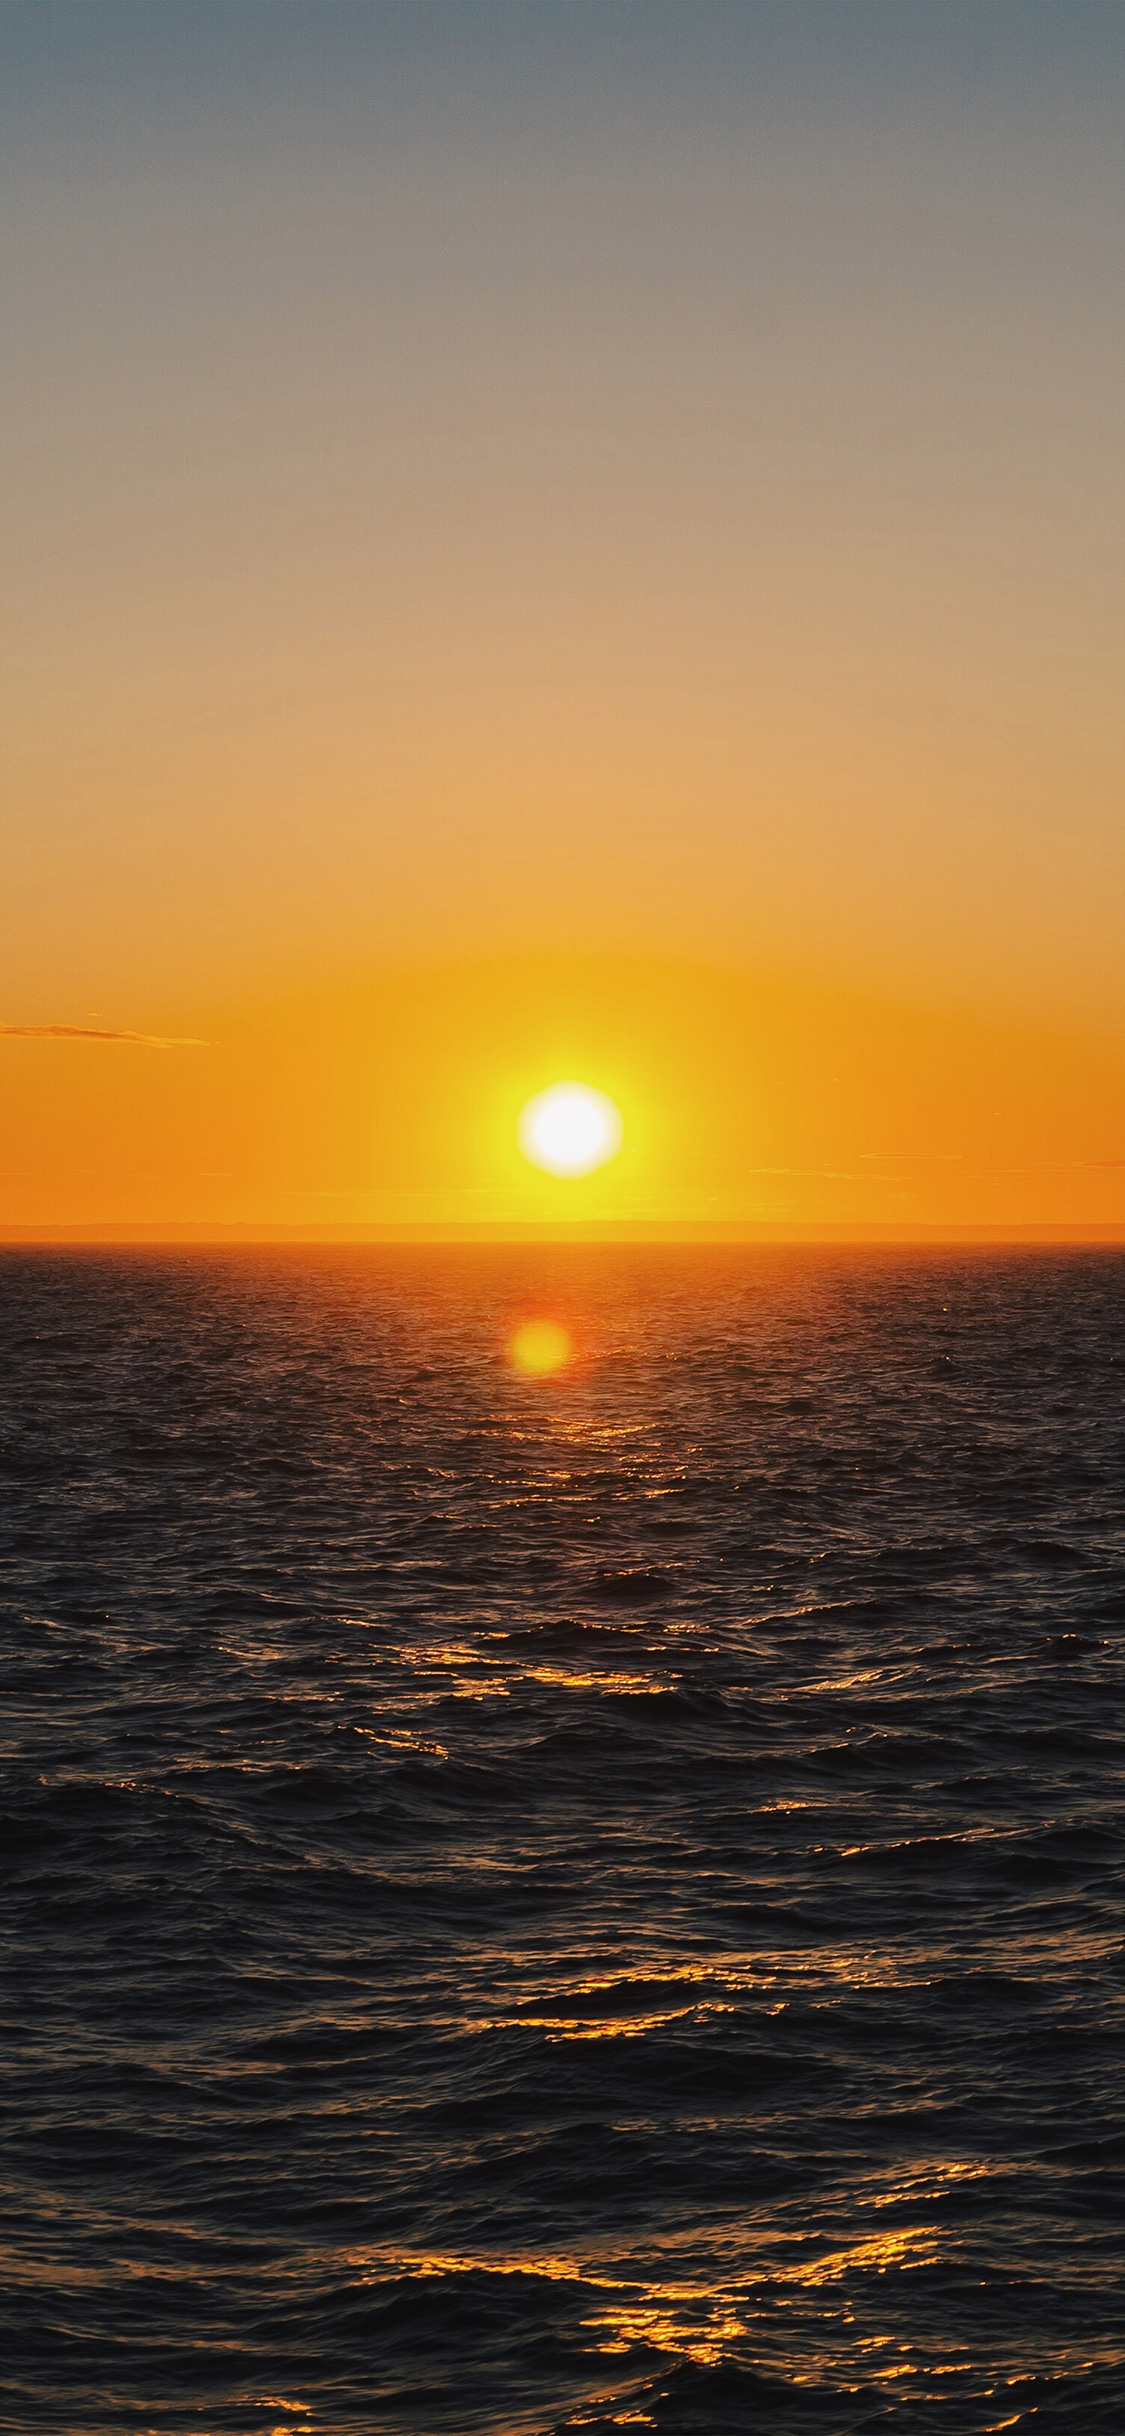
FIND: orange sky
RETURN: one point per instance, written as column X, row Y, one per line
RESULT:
column 539, row 552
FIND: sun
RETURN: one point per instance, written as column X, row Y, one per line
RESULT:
column 570, row 1129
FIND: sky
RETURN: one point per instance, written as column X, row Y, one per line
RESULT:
column 558, row 538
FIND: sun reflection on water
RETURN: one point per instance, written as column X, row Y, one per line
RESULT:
column 538, row 1348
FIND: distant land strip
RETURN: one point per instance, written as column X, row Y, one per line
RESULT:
column 77, row 1031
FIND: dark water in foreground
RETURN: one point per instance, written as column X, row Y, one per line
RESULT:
column 590, row 1903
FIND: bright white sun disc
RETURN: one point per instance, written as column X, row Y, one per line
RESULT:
column 570, row 1129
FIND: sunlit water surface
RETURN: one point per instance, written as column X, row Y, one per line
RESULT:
column 575, row 1901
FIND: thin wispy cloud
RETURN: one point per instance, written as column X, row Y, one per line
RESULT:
column 77, row 1031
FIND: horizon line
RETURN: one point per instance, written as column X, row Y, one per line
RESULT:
column 592, row 1231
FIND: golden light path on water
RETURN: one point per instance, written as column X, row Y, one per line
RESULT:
column 704, row 2321
column 699, row 2319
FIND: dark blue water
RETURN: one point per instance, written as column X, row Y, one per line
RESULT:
column 581, row 1903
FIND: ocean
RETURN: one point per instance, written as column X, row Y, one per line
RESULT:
column 583, row 1902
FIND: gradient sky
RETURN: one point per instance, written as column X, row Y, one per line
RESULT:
column 573, row 536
